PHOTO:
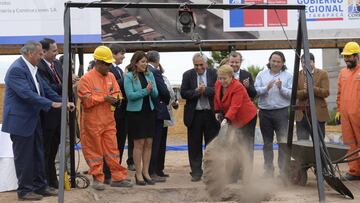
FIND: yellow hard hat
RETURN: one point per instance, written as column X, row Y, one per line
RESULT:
column 351, row 48
column 103, row 53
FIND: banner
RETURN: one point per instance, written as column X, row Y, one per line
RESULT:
column 24, row 20
column 320, row 15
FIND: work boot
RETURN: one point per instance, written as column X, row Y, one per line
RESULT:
column 31, row 196
column 98, row 185
column 121, row 183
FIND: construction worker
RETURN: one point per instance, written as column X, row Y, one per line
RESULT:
column 348, row 105
column 98, row 90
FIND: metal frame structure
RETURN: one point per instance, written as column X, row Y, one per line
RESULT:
column 302, row 42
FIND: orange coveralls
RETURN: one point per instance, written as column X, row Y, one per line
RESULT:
column 98, row 132
column 348, row 103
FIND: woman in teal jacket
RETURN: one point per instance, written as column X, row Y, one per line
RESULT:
column 140, row 89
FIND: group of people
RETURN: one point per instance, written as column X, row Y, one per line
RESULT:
column 136, row 102
column 226, row 96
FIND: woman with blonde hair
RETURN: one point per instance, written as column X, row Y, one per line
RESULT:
column 232, row 101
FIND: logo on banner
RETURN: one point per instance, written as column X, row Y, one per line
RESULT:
column 354, row 9
column 323, row 10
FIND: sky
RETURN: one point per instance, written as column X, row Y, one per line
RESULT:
column 176, row 63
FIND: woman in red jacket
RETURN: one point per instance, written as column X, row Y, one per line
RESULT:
column 232, row 100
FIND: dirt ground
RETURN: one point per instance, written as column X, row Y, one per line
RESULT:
column 179, row 188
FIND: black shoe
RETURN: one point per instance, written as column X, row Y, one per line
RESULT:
column 54, row 183
column 349, row 177
column 139, row 182
column 195, row 178
column 49, row 191
column 107, row 181
column 31, row 196
column 157, row 178
column 131, row 167
column 149, row 181
column 162, row 174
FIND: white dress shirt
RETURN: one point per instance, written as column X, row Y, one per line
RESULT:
column 33, row 71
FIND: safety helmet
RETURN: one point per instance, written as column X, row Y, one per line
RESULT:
column 103, row 53
column 351, row 48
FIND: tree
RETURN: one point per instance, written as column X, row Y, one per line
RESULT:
column 254, row 70
column 217, row 56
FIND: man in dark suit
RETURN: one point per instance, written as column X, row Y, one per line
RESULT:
column 120, row 112
column 26, row 95
column 197, row 88
column 161, row 114
column 50, row 71
column 235, row 59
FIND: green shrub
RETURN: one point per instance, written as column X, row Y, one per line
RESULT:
column 331, row 120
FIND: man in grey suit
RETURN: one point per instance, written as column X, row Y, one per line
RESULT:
column 197, row 88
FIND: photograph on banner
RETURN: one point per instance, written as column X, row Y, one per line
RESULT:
column 36, row 19
column 139, row 24
column 326, row 19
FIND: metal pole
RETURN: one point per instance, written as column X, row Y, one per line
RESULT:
column 293, row 97
column 294, row 87
column 81, row 62
column 179, row 5
column 72, row 117
column 64, row 102
column 310, row 85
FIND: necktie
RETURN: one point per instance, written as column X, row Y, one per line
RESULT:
column 55, row 75
column 203, row 100
column 119, row 70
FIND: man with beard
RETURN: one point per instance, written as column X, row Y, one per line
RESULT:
column 348, row 105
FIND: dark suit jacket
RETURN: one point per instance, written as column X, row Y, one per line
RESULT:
column 163, row 99
column 251, row 89
column 22, row 104
column 120, row 80
column 52, row 118
column 321, row 91
column 187, row 91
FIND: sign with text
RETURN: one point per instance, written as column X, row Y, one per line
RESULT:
column 320, row 15
column 22, row 21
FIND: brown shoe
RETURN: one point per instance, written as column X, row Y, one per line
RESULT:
column 31, row 196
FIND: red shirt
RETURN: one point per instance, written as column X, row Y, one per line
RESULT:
column 235, row 103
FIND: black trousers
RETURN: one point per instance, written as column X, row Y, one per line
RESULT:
column 274, row 121
column 246, row 136
column 121, row 134
column 162, row 152
column 155, row 150
column 51, row 139
column 303, row 130
column 204, row 126
column 29, row 162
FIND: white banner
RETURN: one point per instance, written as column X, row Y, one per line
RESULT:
column 320, row 15
column 24, row 20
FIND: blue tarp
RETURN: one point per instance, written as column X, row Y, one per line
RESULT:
column 185, row 148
